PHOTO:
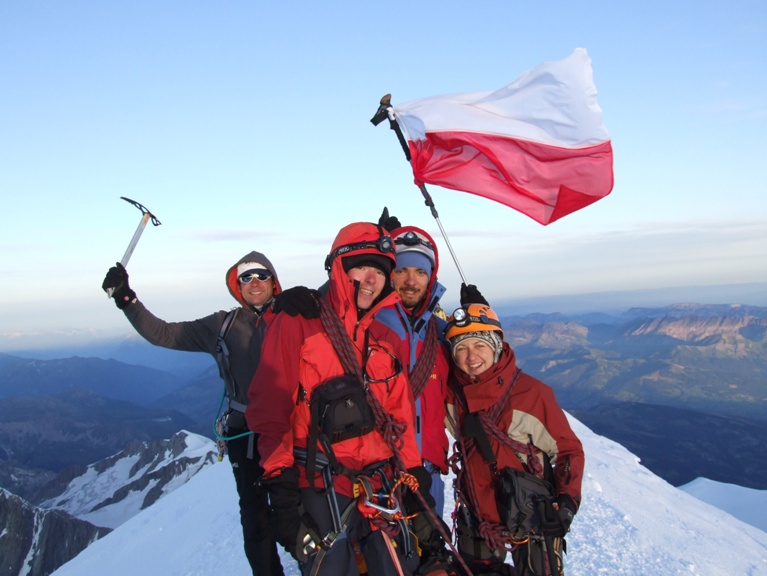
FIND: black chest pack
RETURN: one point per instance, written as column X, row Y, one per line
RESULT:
column 519, row 495
column 340, row 410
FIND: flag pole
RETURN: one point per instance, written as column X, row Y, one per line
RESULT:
column 383, row 113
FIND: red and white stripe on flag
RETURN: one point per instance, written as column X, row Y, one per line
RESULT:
column 537, row 145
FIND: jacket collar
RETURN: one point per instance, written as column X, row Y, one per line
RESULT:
column 483, row 391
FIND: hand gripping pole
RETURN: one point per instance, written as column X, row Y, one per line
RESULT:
column 146, row 216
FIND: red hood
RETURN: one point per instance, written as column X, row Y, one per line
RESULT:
column 433, row 279
column 231, row 275
column 341, row 292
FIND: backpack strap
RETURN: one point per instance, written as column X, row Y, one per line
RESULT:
column 472, row 428
column 490, row 420
column 222, row 356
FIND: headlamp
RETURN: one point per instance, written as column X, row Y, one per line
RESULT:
column 460, row 317
column 412, row 239
column 384, row 245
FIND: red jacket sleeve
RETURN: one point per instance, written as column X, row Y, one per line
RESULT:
column 274, row 391
column 567, row 456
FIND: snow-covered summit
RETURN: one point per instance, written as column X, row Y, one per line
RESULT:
column 115, row 489
column 631, row 523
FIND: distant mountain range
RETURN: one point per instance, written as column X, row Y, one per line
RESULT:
column 609, row 368
column 22, row 377
column 41, row 435
column 682, row 386
column 712, row 359
column 681, row 445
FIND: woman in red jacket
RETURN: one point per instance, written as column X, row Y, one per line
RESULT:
column 510, row 430
column 329, row 527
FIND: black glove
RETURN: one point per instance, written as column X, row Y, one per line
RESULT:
column 285, row 512
column 567, row 510
column 435, row 554
column 471, row 295
column 388, row 223
column 559, row 518
column 298, row 301
column 117, row 280
column 410, row 499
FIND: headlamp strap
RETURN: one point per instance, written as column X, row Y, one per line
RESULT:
column 384, row 245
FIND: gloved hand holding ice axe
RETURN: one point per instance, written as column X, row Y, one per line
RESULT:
column 117, row 278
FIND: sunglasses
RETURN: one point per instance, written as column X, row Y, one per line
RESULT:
column 397, row 368
column 260, row 276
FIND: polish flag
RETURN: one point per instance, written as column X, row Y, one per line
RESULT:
column 537, row 145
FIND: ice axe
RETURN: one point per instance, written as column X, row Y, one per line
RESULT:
column 146, row 216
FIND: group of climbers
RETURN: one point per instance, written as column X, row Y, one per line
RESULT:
column 339, row 403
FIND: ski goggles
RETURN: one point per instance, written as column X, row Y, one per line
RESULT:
column 261, row 276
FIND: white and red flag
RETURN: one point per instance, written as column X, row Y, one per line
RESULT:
column 537, row 145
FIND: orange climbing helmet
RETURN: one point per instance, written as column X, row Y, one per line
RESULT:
column 473, row 318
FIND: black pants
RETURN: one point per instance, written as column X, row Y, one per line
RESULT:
column 260, row 547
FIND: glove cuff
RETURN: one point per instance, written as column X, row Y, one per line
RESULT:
column 566, row 501
column 124, row 297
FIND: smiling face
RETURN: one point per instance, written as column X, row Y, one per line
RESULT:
column 372, row 282
column 473, row 356
column 411, row 284
column 257, row 292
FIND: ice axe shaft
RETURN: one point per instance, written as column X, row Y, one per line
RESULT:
column 146, row 216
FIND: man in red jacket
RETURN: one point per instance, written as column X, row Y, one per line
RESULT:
column 428, row 360
column 510, row 431
column 302, row 360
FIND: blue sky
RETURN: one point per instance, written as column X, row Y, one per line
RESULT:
column 245, row 125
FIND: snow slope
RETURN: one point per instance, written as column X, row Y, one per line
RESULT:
column 631, row 523
column 746, row 504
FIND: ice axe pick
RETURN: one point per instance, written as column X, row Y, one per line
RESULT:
column 146, row 216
